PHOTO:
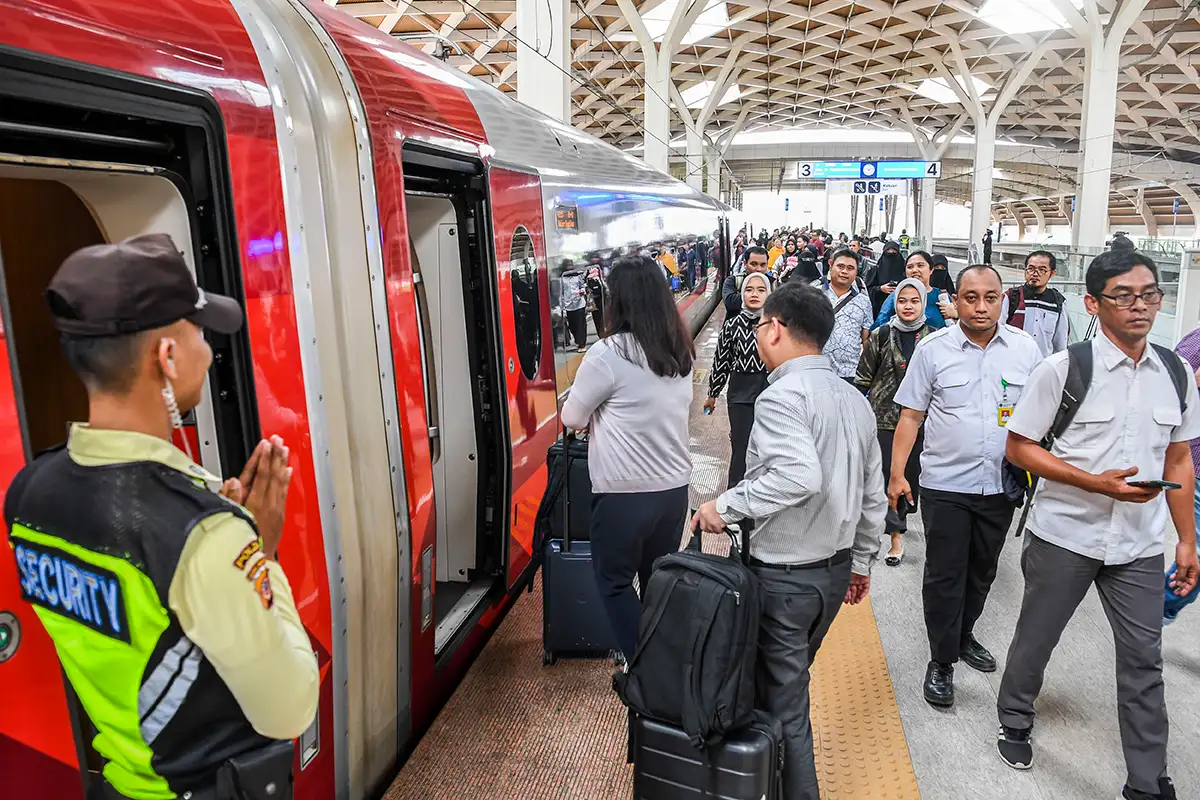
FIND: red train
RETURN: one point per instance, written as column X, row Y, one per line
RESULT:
column 397, row 233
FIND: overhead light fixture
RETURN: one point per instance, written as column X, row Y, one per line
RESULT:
column 1023, row 16
column 712, row 20
column 696, row 96
column 937, row 90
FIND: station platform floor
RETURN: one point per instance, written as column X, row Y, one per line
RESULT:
column 517, row 729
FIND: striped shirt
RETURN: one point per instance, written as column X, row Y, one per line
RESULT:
column 814, row 479
column 1189, row 350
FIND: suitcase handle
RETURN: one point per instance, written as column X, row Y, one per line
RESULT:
column 568, row 437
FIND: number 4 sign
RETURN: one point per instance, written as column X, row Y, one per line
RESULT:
column 933, row 169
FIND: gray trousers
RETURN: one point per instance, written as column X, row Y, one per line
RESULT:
column 798, row 606
column 1056, row 581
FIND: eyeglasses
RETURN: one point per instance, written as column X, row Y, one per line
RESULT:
column 1038, row 270
column 764, row 322
column 1151, row 297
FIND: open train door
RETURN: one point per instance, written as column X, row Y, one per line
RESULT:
column 524, row 291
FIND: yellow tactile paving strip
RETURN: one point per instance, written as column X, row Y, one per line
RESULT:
column 518, row 730
column 858, row 738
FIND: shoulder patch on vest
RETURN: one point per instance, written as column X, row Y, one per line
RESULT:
column 69, row 586
column 247, row 553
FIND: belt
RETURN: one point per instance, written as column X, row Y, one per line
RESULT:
column 840, row 557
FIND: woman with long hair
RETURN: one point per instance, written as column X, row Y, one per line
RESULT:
column 884, row 360
column 633, row 390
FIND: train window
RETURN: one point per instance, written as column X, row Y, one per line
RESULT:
column 527, row 301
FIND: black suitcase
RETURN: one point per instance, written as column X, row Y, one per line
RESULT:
column 580, row 490
column 574, row 622
column 747, row 765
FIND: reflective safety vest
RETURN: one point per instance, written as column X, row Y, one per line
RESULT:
column 96, row 550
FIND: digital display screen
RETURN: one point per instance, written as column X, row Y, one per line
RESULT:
column 566, row 217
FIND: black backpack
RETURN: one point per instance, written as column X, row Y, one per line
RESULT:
column 1075, row 389
column 697, row 642
column 1014, row 301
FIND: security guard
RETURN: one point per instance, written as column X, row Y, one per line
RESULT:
column 159, row 585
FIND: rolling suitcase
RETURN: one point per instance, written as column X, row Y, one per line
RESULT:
column 575, row 470
column 574, row 621
column 746, row 765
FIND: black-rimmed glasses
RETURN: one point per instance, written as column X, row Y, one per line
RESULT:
column 1151, row 297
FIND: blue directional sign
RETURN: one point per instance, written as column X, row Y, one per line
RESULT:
column 868, row 170
column 881, row 204
column 787, row 201
column 1175, row 210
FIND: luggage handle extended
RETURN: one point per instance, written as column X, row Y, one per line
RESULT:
column 568, row 437
column 737, row 541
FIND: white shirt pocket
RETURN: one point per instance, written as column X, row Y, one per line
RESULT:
column 1014, row 385
column 1088, row 432
column 954, row 389
column 1166, row 420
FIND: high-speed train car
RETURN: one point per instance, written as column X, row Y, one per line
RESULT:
column 397, row 233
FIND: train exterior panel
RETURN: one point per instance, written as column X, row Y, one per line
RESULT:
column 397, row 232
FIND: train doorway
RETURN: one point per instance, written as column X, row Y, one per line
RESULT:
column 464, row 398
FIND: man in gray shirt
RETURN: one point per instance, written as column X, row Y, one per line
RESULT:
column 814, row 486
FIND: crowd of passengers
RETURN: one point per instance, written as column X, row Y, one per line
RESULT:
column 857, row 394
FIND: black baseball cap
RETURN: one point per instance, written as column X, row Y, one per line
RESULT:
column 136, row 285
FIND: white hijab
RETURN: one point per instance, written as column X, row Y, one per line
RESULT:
column 919, row 322
column 755, row 313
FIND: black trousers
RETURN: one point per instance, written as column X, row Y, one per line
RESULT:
column 629, row 531
column 741, row 421
column 577, row 322
column 912, row 473
column 964, row 534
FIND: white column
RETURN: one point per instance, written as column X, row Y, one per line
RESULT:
column 543, row 53
column 981, row 179
column 1038, row 215
column 656, row 58
column 1102, row 48
column 932, row 149
column 925, row 220
column 695, row 158
column 1101, row 70
column 712, row 172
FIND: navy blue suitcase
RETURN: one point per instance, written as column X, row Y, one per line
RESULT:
column 574, row 622
column 746, row 765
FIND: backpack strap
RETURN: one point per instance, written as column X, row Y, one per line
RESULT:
column 1179, row 373
column 1014, row 299
column 698, row 729
column 1075, row 389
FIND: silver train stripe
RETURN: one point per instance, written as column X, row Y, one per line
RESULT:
column 165, row 711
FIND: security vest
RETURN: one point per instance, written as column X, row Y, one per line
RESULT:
column 96, row 550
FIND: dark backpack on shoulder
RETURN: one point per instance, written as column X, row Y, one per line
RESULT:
column 697, row 642
column 1075, row 389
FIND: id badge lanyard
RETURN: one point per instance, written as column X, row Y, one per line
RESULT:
column 1003, row 410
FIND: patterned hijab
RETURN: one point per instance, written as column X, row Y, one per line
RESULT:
column 754, row 313
column 919, row 322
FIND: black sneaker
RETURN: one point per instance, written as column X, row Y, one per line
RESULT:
column 939, row 684
column 1166, row 791
column 1015, row 748
column 976, row 655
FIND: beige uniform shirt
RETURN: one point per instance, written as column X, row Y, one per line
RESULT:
column 232, row 601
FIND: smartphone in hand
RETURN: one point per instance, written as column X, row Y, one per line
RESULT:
column 1155, row 484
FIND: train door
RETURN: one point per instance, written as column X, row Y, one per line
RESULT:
column 522, row 277
column 462, row 562
column 68, row 187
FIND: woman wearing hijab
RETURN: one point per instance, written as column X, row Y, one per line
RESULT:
column 888, row 273
column 942, row 279
column 786, row 261
column 884, row 360
column 738, row 363
column 938, row 308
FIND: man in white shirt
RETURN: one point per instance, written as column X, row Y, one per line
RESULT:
column 851, row 314
column 1089, row 525
column 1036, row 308
column 962, row 382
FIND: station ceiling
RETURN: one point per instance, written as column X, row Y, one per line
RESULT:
column 843, row 64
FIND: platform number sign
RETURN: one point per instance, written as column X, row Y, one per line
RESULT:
column 933, row 169
column 806, row 169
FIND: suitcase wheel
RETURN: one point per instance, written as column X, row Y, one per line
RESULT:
column 548, row 658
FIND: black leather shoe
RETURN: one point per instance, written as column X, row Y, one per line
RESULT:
column 976, row 655
column 939, row 684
